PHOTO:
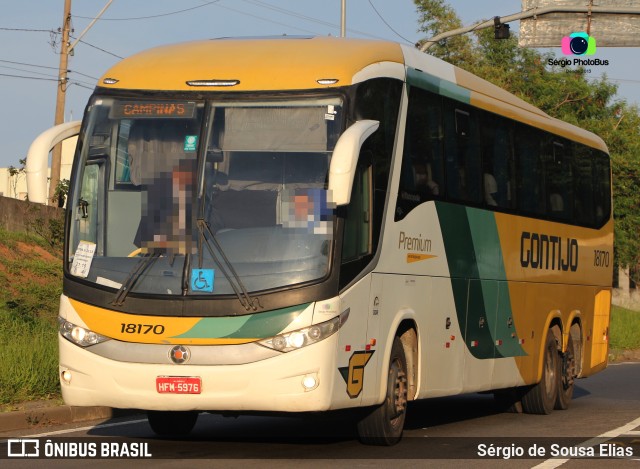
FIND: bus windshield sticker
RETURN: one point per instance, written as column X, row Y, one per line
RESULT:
column 190, row 142
column 108, row 282
column 82, row 259
column 153, row 109
column 331, row 113
column 202, row 280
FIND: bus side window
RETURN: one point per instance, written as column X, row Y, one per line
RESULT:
column 497, row 161
column 558, row 177
column 583, row 187
column 462, row 153
column 530, row 184
column 602, row 186
column 89, row 217
column 122, row 169
column 357, row 230
column 357, row 239
column 421, row 176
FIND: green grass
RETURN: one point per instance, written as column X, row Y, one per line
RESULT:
column 10, row 238
column 28, row 310
column 624, row 329
column 28, row 357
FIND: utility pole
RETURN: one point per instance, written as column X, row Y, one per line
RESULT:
column 343, row 19
column 56, row 157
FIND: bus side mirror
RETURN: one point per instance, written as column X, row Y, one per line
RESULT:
column 38, row 158
column 345, row 159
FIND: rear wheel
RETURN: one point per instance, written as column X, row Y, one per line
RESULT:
column 176, row 423
column 383, row 426
column 567, row 375
column 541, row 398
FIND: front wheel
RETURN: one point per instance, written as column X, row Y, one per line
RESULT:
column 165, row 423
column 383, row 425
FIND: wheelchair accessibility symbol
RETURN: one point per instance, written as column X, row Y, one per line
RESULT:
column 202, row 280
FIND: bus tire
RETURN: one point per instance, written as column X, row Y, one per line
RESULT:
column 567, row 367
column 383, row 425
column 174, row 423
column 541, row 398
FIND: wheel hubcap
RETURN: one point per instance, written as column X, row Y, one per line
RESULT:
column 398, row 402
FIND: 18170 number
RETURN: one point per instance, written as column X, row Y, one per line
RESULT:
column 141, row 328
column 600, row 258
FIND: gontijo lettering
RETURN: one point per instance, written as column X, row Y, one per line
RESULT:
column 549, row 252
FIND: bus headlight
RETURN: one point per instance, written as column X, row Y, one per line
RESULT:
column 79, row 335
column 302, row 337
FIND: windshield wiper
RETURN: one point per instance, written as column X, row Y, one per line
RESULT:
column 238, row 287
column 145, row 262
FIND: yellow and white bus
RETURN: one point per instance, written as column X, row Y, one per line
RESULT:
column 310, row 224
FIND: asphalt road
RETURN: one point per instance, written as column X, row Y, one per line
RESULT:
column 444, row 432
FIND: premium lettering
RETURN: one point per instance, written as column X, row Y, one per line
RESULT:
column 418, row 243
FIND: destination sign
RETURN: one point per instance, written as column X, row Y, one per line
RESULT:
column 153, row 109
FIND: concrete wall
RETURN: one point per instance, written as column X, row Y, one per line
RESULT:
column 625, row 296
column 17, row 215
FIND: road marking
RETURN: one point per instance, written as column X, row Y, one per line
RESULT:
column 83, row 429
column 623, row 430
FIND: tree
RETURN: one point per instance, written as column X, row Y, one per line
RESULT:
column 14, row 174
column 436, row 17
column 61, row 192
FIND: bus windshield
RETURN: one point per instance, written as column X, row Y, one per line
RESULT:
column 189, row 198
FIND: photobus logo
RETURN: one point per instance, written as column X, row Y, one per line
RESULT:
column 579, row 43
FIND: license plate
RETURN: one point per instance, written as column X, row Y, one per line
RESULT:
column 179, row 384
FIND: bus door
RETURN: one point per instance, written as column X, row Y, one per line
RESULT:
column 357, row 356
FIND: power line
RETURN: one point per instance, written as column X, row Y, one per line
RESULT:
column 388, row 25
column 82, row 74
column 28, row 65
column 39, row 66
column 147, row 17
column 28, row 71
column 284, row 11
column 28, row 78
column 99, row 48
column 80, row 85
column 290, row 13
column 28, row 30
column 267, row 20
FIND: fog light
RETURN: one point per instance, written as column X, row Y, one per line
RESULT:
column 66, row 376
column 309, row 382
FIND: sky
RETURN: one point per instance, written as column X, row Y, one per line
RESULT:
column 29, row 55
